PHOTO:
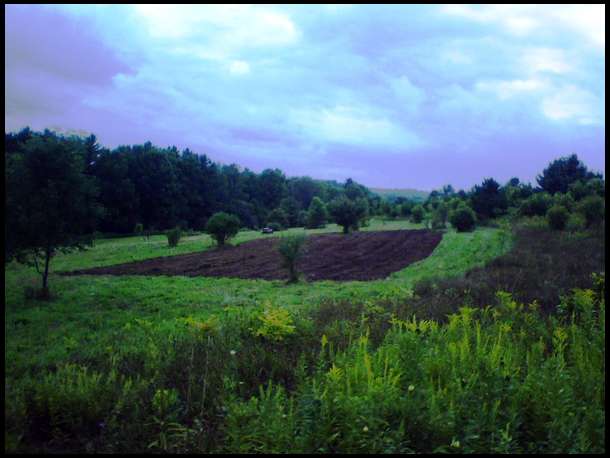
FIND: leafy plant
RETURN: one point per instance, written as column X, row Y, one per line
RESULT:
column 222, row 226
column 291, row 250
column 173, row 237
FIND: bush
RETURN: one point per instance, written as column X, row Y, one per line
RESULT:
column 463, row 218
column 564, row 200
column 557, row 217
column 417, row 214
column 439, row 216
column 291, row 249
column 173, row 237
column 536, row 205
column 576, row 222
column 222, row 226
column 593, row 209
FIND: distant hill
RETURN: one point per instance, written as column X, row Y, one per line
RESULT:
column 412, row 194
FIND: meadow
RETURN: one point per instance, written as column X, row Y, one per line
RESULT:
column 181, row 364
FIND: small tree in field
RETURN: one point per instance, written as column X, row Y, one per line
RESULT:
column 291, row 249
column 462, row 218
column 348, row 213
column 173, row 237
column 49, row 202
column 222, row 226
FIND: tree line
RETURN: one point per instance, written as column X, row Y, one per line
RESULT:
column 62, row 189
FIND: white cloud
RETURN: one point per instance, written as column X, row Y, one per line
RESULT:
column 505, row 89
column 586, row 20
column 239, row 67
column 353, row 126
column 545, row 60
column 409, row 96
column 227, row 26
column 573, row 103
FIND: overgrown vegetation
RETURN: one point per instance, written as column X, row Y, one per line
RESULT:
column 495, row 343
column 497, row 379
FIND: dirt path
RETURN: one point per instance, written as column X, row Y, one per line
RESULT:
column 356, row 256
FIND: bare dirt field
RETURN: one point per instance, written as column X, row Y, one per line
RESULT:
column 355, row 256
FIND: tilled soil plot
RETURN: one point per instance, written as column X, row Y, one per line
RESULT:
column 355, row 256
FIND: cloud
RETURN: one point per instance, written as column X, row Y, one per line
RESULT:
column 573, row 103
column 524, row 20
column 318, row 90
column 353, row 126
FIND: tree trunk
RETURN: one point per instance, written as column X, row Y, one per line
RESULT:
column 45, row 276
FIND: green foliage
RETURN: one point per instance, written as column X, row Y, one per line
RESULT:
column 50, row 201
column 563, row 172
column 500, row 380
column 348, row 213
column 439, row 216
column 488, row 200
column 317, row 214
column 275, row 323
column 576, row 222
column 355, row 373
column 417, row 214
column 536, row 205
column 291, row 207
column 593, row 209
column 279, row 217
column 557, row 217
column 222, row 226
column 173, row 237
column 462, row 218
column 291, row 250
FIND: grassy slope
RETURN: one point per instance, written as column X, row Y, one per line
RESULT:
column 88, row 310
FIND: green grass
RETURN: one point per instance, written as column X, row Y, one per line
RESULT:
column 181, row 364
column 82, row 301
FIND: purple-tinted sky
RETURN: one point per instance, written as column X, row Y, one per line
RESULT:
column 395, row 96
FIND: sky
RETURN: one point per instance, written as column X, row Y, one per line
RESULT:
column 393, row 96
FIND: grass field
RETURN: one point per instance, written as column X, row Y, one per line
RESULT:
column 227, row 365
column 92, row 307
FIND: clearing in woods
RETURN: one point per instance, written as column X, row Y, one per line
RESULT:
column 339, row 257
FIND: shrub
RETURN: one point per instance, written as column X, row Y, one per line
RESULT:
column 222, row 226
column 537, row 204
column 463, row 218
column 557, row 217
column 592, row 208
column 275, row 323
column 564, row 200
column 291, row 249
column 439, row 216
column 173, row 237
column 417, row 214
column 576, row 222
